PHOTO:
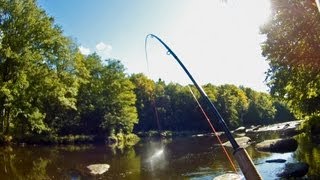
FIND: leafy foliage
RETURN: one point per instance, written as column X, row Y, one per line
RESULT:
column 107, row 102
column 48, row 87
column 233, row 103
column 38, row 68
column 178, row 111
column 292, row 50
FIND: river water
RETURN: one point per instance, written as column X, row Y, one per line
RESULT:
column 177, row 158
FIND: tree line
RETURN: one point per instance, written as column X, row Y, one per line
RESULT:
column 172, row 106
column 48, row 88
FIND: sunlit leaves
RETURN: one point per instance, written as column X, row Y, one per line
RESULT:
column 40, row 70
column 106, row 103
column 233, row 103
column 292, row 50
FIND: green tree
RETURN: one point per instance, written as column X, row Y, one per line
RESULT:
column 232, row 103
column 292, row 50
column 145, row 93
column 283, row 112
column 37, row 68
column 107, row 102
column 163, row 111
column 185, row 116
column 261, row 108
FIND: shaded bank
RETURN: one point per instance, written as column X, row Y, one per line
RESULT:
column 119, row 139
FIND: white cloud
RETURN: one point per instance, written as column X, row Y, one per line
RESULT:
column 103, row 50
column 84, row 50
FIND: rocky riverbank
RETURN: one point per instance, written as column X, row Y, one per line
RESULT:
column 282, row 142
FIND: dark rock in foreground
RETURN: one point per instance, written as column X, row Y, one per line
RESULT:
column 228, row 176
column 294, row 170
column 276, row 161
column 278, row 145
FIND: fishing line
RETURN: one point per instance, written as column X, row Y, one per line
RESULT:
column 213, row 130
column 153, row 102
column 241, row 155
column 158, row 153
column 203, row 112
column 214, row 110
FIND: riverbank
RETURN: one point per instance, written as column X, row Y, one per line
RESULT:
column 119, row 139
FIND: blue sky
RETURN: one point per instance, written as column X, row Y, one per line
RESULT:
column 218, row 41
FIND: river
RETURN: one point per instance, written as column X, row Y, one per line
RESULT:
column 177, row 158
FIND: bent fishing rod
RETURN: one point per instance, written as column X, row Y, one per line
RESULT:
column 246, row 165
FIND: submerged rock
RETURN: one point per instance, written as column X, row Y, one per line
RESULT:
column 229, row 176
column 276, row 161
column 96, row 169
column 294, row 170
column 242, row 141
column 278, row 145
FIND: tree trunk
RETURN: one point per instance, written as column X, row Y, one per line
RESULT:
column 7, row 121
column 2, row 117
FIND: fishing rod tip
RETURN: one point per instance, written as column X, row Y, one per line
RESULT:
column 150, row 35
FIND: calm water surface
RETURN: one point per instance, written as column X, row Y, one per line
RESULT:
column 179, row 158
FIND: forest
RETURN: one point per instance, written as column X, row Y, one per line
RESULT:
column 50, row 92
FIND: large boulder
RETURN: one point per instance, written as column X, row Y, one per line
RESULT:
column 278, row 145
column 229, row 176
column 294, row 170
column 286, row 129
column 242, row 141
column 97, row 169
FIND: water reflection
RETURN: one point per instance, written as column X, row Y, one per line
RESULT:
column 157, row 159
column 309, row 152
column 181, row 158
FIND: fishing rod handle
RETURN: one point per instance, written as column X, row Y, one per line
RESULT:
column 246, row 165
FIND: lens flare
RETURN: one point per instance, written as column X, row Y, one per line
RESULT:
column 156, row 155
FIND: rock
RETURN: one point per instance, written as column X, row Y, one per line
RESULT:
column 294, row 170
column 240, row 134
column 229, row 176
column 256, row 128
column 96, row 169
column 253, row 129
column 276, row 161
column 287, row 129
column 278, row 145
column 242, row 141
column 289, row 132
column 240, row 130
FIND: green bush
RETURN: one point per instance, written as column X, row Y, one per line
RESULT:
column 314, row 124
column 5, row 139
column 131, row 139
